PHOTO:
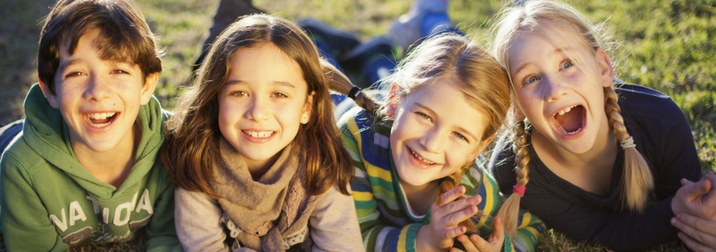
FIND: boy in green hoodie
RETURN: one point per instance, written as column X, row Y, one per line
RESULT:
column 85, row 168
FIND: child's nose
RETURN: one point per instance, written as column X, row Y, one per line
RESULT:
column 258, row 110
column 554, row 88
column 433, row 141
column 97, row 88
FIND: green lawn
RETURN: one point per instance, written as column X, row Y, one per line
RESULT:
column 667, row 45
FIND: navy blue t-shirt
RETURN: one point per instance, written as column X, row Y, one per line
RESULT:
column 662, row 135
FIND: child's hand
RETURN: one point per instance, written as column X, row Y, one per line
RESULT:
column 444, row 219
column 244, row 249
column 476, row 243
column 698, row 234
column 697, row 198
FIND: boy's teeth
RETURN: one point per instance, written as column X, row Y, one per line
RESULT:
column 100, row 119
column 261, row 134
column 100, row 116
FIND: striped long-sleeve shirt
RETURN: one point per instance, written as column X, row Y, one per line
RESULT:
column 386, row 222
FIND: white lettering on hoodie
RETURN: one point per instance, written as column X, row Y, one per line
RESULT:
column 122, row 212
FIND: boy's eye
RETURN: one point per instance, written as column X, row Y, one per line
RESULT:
column 73, row 74
column 567, row 64
column 119, row 71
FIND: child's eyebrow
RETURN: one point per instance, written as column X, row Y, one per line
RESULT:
column 284, row 83
column 562, row 50
column 274, row 83
column 558, row 52
column 65, row 64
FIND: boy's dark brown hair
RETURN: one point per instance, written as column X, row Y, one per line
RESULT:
column 193, row 135
column 124, row 35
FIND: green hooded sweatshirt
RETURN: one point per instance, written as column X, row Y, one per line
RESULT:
column 50, row 202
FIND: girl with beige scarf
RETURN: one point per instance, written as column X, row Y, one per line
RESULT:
column 254, row 151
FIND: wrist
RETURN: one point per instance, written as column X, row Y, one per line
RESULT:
column 423, row 240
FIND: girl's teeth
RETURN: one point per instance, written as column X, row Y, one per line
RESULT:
column 421, row 158
column 262, row 134
column 565, row 111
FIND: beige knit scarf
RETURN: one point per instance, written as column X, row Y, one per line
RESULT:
column 268, row 210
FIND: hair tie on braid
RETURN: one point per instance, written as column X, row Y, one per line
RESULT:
column 519, row 189
column 628, row 143
column 353, row 93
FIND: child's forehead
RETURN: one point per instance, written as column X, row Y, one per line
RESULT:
column 94, row 39
column 547, row 39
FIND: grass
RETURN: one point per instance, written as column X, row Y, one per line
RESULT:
column 665, row 44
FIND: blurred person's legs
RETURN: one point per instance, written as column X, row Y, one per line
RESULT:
column 227, row 12
column 331, row 42
column 425, row 18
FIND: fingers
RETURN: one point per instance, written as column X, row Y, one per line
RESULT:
column 697, row 232
column 468, row 244
column 693, row 197
column 451, row 233
column 693, row 244
column 451, row 195
column 696, row 189
column 480, row 244
column 498, row 233
column 455, row 212
column 476, row 243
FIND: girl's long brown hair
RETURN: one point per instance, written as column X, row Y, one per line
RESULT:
column 192, row 140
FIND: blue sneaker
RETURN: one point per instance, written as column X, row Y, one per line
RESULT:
column 424, row 17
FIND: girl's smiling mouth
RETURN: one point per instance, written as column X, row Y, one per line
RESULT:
column 258, row 134
column 420, row 158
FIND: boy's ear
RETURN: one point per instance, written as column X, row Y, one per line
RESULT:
column 605, row 68
column 392, row 102
column 150, row 83
column 51, row 98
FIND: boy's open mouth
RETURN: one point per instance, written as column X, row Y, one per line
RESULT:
column 570, row 120
column 101, row 119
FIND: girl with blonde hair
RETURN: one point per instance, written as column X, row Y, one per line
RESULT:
column 595, row 159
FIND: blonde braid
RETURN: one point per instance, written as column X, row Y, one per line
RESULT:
column 450, row 182
column 637, row 179
column 509, row 212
